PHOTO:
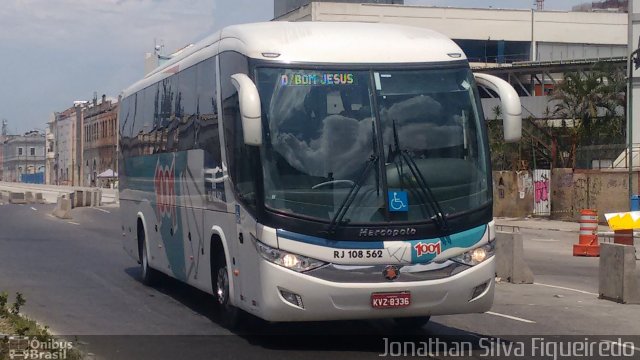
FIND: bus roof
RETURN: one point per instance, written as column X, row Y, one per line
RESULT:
column 316, row 42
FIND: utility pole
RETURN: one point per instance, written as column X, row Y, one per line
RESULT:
column 3, row 137
column 633, row 63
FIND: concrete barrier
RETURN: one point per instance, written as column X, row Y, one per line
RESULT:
column 510, row 264
column 39, row 198
column 29, row 198
column 63, row 207
column 97, row 198
column 80, row 198
column 88, row 195
column 619, row 280
column 17, row 198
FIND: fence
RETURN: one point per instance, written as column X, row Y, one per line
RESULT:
column 601, row 156
column 37, row 178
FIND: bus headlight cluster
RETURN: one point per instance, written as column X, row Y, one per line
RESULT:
column 477, row 255
column 286, row 259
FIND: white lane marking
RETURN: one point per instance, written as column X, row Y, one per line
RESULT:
column 103, row 210
column 545, row 240
column 71, row 222
column 566, row 288
column 34, row 209
column 623, row 345
column 510, row 317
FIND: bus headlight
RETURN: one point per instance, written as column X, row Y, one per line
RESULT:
column 286, row 259
column 477, row 255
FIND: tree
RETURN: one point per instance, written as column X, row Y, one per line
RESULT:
column 592, row 107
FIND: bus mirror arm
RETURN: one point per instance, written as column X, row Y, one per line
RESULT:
column 214, row 176
column 250, row 110
column 510, row 104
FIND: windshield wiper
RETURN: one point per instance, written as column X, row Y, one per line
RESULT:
column 336, row 220
column 427, row 197
column 351, row 196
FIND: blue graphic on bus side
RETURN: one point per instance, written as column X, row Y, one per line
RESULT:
column 398, row 201
column 160, row 176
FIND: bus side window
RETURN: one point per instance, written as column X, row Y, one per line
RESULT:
column 182, row 129
column 207, row 137
column 241, row 158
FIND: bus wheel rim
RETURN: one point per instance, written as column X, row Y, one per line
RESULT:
column 222, row 286
column 144, row 261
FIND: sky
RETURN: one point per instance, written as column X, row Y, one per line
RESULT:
column 54, row 52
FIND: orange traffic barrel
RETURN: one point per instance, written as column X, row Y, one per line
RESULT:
column 623, row 237
column 588, row 239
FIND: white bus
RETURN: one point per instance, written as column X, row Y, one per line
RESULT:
column 315, row 171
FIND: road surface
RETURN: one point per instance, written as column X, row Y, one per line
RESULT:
column 78, row 280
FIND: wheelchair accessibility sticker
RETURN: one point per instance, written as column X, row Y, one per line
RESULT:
column 398, row 201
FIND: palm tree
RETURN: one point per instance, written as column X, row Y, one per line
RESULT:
column 589, row 103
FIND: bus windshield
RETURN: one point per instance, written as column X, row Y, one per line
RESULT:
column 322, row 130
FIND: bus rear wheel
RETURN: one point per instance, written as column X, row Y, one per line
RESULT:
column 229, row 314
column 412, row 322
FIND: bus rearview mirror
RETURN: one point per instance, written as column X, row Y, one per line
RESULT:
column 250, row 110
column 510, row 104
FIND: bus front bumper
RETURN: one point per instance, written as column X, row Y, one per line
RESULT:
column 470, row 291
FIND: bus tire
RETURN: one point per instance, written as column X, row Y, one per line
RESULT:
column 149, row 276
column 412, row 322
column 228, row 314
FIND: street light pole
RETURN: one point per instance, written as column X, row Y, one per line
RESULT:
column 633, row 63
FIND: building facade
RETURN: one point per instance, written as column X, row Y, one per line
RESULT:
column 493, row 35
column 24, row 158
column 50, row 158
column 281, row 7
column 67, row 145
column 100, row 139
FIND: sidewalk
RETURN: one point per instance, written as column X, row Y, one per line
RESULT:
column 545, row 224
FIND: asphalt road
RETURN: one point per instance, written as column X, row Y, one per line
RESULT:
column 78, row 280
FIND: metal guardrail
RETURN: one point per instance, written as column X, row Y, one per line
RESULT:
column 508, row 229
column 609, row 236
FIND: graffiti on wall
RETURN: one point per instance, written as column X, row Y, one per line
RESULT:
column 571, row 191
column 542, row 190
column 541, row 196
column 525, row 184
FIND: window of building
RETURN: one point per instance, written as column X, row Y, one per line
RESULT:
column 20, row 151
column 32, row 151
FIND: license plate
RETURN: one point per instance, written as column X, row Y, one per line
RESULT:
column 390, row 300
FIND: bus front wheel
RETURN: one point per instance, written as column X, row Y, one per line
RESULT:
column 229, row 314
